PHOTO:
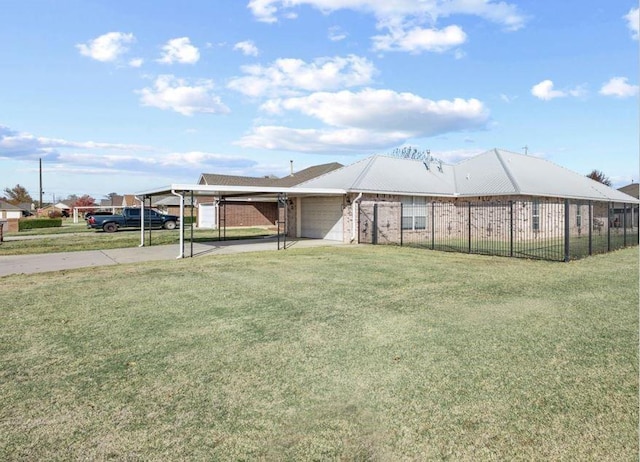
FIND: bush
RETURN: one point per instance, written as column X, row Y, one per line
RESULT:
column 35, row 223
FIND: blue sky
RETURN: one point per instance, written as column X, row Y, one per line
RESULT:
column 122, row 96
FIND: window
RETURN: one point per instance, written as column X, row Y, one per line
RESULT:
column 578, row 216
column 414, row 213
column 535, row 215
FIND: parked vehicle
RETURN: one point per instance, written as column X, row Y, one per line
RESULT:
column 130, row 218
column 88, row 215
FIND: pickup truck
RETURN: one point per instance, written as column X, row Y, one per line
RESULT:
column 130, row 218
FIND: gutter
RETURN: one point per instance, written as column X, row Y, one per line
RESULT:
column 353, row 217
column 181, row 196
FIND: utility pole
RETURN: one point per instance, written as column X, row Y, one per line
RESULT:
column 41, row 192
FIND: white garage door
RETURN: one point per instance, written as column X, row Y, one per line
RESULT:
column 322, row 218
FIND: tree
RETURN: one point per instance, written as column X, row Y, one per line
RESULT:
column 18, row 195
column 600, row 177
column 111, row 196
column 84, row 201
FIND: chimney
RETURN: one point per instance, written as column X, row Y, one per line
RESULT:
column 291, row 162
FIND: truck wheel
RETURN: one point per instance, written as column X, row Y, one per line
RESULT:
column 110, row 228
column 170, row 225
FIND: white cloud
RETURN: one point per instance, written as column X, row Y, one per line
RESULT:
column 386, row 110
column 290, row 76
column 633, row 22
column 179, row 50
column 336, row 34
column 545, row 91
column 136, row 62
column 618, row 87
column 14, row 144
column 418, row 39
column 247, row 47
column 107, row 47
column 319, row 140
column 366, row 120
column 399, row 11
column 176, row 94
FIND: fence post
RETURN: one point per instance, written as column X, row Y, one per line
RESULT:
column 624, row 224
column 511, row 228
column 608, row 226
column 401, row 227
column 590, row 228
column 566, row 230
column 433, row 225
column 469, row 227
column 374, row 230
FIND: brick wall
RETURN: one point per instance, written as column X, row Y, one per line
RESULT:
column 248, row 213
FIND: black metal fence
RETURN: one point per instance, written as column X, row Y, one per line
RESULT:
column 544, row 228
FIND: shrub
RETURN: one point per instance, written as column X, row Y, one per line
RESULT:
column 35, row 223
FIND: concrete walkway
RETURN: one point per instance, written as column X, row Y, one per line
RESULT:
column 41, row 263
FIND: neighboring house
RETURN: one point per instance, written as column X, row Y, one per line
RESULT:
column 9, row 216
column 59, row 207
column 250, row 211
column 171, row 205
column 115, row 200
column 129, row 200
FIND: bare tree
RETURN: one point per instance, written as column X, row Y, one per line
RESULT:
column 18, row 195
column 600, row 177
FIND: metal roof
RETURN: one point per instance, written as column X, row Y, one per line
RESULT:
column 389, row 175
column 493, row 173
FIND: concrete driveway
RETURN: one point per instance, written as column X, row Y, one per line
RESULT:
column 41, row 263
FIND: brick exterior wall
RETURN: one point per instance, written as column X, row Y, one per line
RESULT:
column 248, row 214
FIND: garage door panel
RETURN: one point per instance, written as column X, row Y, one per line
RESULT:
column 322, row 218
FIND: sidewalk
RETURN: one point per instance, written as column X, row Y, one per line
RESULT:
column 41, row 263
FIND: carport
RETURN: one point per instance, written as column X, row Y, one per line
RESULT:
column 316, row 215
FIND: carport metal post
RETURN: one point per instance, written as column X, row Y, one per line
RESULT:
column 141, row 220
column 181, row 196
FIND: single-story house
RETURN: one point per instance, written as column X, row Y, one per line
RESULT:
column 497, row 199
column 9, row 216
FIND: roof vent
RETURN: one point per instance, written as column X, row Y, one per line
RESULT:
column 439, row 165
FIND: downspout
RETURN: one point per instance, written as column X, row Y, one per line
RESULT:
column 354, row 204
column 181, row 196
column 141, row 220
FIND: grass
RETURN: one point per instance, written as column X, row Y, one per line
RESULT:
column 68, row 240
column 349, row 353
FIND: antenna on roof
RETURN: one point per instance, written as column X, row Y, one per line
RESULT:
column 526, row 149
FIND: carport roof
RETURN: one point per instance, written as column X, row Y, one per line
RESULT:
column 238, row 191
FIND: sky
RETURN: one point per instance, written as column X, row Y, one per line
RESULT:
column 125, row 96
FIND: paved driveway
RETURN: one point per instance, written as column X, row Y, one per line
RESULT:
column 41, row 263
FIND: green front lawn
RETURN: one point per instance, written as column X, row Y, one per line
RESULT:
column 346, row 353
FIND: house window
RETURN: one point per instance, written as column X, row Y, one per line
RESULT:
column 579, row 216
column 414, row 213
column 535, row 215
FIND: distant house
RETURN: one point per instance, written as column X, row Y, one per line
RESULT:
column 10, row 216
